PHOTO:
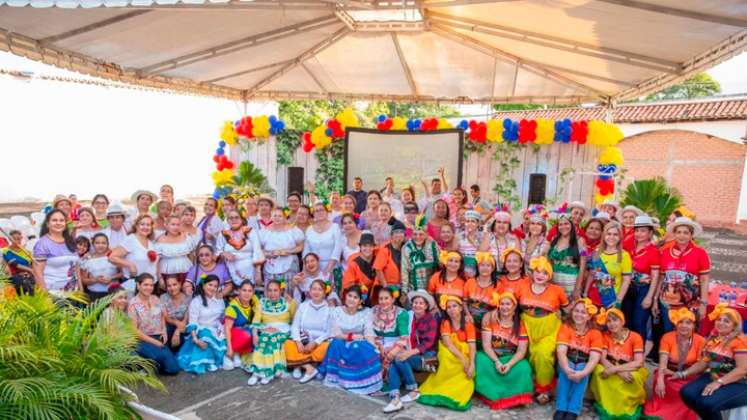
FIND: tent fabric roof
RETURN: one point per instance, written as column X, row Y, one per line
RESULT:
column 689, row 110
column 459, row 51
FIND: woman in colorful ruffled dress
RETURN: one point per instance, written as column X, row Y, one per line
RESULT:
column 271, row 327
column 237, row 323
column 240, row 247
column 310, row 333
column 478, row 291
column 678, row 351
column 504, row 376
column 452, row 384
column 515, row 277
column 579, row 348
column 469, row 241
column 419, row 258
column 352, row 362
column 174, row 249
column 567, row 259
column 618, row 382
column 205, row 346
column 723, row 385
column 391, row 325
column 609, row 269
column 499, row 236
column 540, row 303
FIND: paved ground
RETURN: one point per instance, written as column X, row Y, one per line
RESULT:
column 225, row 396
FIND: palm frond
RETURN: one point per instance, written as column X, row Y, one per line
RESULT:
column 654, row 196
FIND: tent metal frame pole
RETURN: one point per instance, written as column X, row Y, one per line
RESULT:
column 316, row 49
column 278, row 95
column 549, row 41
column 535, row 68
column 405, row 67
column 248, row 71
column 240, row 44
column 313, row 77
column 92, row 27
column 673, row 11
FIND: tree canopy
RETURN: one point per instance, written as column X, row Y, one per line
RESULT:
column 699, row 86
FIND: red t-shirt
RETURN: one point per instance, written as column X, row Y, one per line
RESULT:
column 644, row 260
column 628, row 239
column 681, row 275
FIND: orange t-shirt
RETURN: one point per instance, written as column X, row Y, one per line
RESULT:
column 721, row 358
column 668, row 345
column 623, row 352
column 550, row 300
column 591, row 341
column 466, row 335
column 451, row 288
column 473, row 291
column 503, row 339
column 514, row 286
column 354, row 275
column 386, row 264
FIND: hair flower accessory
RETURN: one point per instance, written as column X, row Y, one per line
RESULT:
column 394, row 290
column 604, row 315
column 152, row 255
column 444, row 299
column 724, row 309
column 203, row 277
column 681, row 315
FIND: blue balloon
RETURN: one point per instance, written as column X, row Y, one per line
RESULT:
column 222, row 143
column 417, row 123
column 273, row 118
column 280, row 125
column 216, row 195
column 507, row 124
column 219, row 151
column 273, row 131
column 382, row 118
column 463, row 124
column 328, row 132
column 410, row 125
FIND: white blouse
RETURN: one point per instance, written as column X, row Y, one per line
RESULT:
column 315, row 320
column 347, row 251
column 116, row 237
column 301, row 292
column 327, row 245
column 210, row 316
column 246, row 257
column 276, row 240
column 174, row 256
column 98, row 266
column 360, row 323
column 138, row 255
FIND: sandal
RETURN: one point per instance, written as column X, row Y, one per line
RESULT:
column 543, row 399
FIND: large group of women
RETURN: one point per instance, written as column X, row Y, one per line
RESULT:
column 375, row 291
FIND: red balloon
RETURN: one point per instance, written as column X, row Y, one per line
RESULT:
column 216, row 158
column 308, row 147
column 228, row 165
column 307, row 136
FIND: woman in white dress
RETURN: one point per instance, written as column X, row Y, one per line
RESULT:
column 164, row 209
column 174, row 249
column 241, row 249
column 137, row 253
column 535, row 244
column 210, row 225
column 187, row 219
column 281, row 242
column 324, row 239
column 302, row 281
column 351, row 235
column 97, row 272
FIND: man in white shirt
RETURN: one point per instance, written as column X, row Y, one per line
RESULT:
column 211, row 225
column 116, row 231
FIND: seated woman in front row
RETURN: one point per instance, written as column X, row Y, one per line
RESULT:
column 724, row 385
column 205, row 346
column 237, row 322
column 504, row 377
column 453, row 383
column 618, row 380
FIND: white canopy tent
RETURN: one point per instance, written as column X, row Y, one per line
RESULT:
column 459, row 51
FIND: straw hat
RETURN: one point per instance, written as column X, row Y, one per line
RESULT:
column 644, row 220
column 423, row 294
column 138, row 193
column 612, row 203
column 685, row 221
column 115, row 210
column 60, row 198
column 577, row 205
column 634, row 209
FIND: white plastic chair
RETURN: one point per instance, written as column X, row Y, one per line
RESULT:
column 20, row 221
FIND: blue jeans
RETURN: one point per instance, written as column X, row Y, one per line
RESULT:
column 727, row 397
column 404, row 372
column 569, row 394
column 636, row 317
column 165, row 360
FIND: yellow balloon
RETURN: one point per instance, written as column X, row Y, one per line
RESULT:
column 229, row 133
column 347, row 118
column 261, row 127
column 610, row 155
column 399, row 123
column 545, row 131
column 224, row 177
column 319, row 138
column 443, row 124
column 494, row 132
column 599, row 198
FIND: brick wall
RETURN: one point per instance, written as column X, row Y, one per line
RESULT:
column 707, row 170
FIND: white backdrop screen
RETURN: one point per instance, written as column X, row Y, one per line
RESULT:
column 407, row 157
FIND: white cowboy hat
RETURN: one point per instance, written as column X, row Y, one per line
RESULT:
column 602, row 216
column 644, row 220
column 115, row 210
column 634, row 209
column 577, row 205
column 685, row 221
column 614, row 204
column 423, row 294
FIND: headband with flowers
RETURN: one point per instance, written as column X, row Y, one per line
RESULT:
column 202, row 279
column 394, row 290
column 495, row 298
column 724, row 309
column 483, row 256
column 508, row 251
column 604, row 314
column 444, row 299
column 680, row 315
column 445, row 256
column 364, row 293
column 540, row 264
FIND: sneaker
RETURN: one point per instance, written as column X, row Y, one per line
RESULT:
column 297, row 374
column 212, row 368
column 227, row 363
column 253, row 380
column 266, row 380
column 308, row 376
column 237, row 361
column 408, row 399
column 393, row 406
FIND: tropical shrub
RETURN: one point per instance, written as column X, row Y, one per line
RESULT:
column 60, row 362
column 654, row 196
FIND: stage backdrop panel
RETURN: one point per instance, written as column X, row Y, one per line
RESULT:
column 408, row 157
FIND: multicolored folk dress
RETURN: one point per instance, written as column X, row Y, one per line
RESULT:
column 272, row 320
column 418, row 264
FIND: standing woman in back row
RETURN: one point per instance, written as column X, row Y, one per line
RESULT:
column 241, row 249
column 567, row 259
column 55, row 259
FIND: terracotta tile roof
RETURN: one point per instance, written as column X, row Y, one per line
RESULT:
column 722, row 109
